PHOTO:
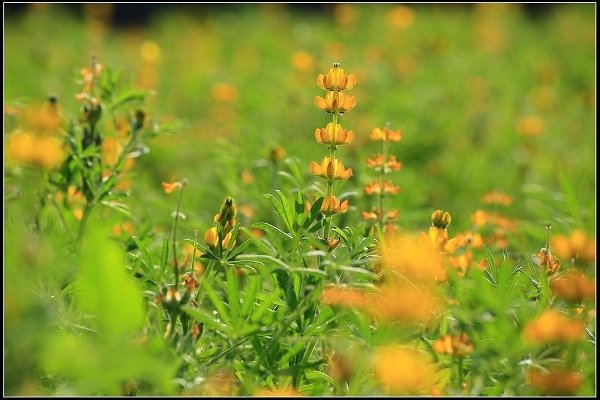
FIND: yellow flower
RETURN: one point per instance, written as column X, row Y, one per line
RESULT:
column 530, row 126
column 407, row 302
column 412, row 257
column 345, row 297
column 552, row 327
column 330, row 169
column 224, row 92
column 378, row 162
column 171, row 187
column 226, row 215
column 401, row 16
column 386, row 134
column 44, row 152
column 440, row 219
column 333, row 134
column 211, row 237
column 335, row 102
column 402, row 370
column 545, row 258
column 574, row 286
column 386, row 187
column 578, row 245
column 457, row 345
column 303, row 61
column 497, row 198
column 336, row 79
column 557, row 381
column 331, row 205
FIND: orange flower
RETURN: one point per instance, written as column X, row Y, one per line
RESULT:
column 279, row 392
column 480, row 218
column 402, row 370
column 303, row 61
column 386, row 134
column 401, row 16
column 387, row 187
column 330, row 169
column 378, row 162
column 457, row 345
column 276, row 154
column 223, row 92
column 211, row 237
column 44, row 152
column 331, row 205
column 373, row 215
column 545, row 258
column 577, row 245
column 341, row 296
column 557, row 381
column 497, row 198
column 530, row 126
column 171, row 187
column 551, row 326
column 333, row 134
column 413, row 257
column 335, row 102
column 399, row 301
column 471, row 239
column 336, row 79
column 574, row 285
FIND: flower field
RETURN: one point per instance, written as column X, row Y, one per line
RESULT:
column 299, row 200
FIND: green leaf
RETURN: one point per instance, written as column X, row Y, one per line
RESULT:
column 250, row 295
column 280, row 210
column 145, row 259
column 201, row 316
column 216, row 302
column 107, row 291
column 299, row 208
column 315, row 210
column 272, row 230
column 233, row 292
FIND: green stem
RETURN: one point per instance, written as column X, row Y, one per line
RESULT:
column 174, row 236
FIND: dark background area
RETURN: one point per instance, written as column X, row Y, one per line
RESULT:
column 125, row 14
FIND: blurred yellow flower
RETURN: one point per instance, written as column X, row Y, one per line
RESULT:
column 171, row 187
column 545, row 258
column 333, row 134
column 386, row 134
column 342, row 296
column 44, row 152
column 414, row 258
column 574, row 285
column 303, row 61
column 557, row 381
column 496, row 197
column 277, row 154
column 279, row 392
column 404, row 371
column 401, row 16
column 457, row 345
column 345, row 14
column 386, row 187
column 378, row 162
column 413, row 302
column 552, row 326
column 330, row 169
column 578, row 245
column 530, row 126
column 150, row 51
column 224, row 92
